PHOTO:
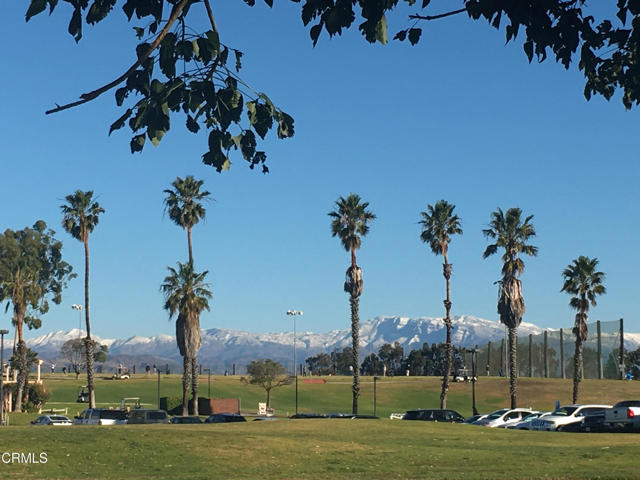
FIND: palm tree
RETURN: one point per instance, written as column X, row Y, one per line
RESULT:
column 187, row 295
column 582, row 280
column 183, row 204
column 350, row 223
column 439, row 224
column 511, row 234
column 80, row 215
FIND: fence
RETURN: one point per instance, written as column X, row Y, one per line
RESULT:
column 550, row 354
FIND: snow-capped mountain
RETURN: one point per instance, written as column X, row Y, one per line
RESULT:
column 221, row 348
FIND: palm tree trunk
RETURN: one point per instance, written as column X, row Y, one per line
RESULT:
column 88, row 343
column 577, row 368
column 190, row 249
column 446, row 270
column 355, row 337
column 195, row 377
column 186, row 382
column 23, row 374
column 268, row 397
column 513, row 364
column 21, row 355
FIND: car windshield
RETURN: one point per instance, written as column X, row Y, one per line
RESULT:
column 157, row 415
column 531, row 416
column 497, row 414
column 564, row 411
column 628, row 403
column 113, row 414
column 58, row 418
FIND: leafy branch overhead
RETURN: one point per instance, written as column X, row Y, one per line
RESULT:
column 607, row 51
column 176, row 71
column 179, row 70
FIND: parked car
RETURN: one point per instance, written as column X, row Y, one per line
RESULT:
column 525, row 424
column 625, row 414
column 349, row 416
column 55, row 420
column 225, row 418
column 307, row 415
column 186, row 420
column 474, row 418
column 563, row 416
column 147, row 415
column 434, row 415
column 504, row 417
column 101, row 416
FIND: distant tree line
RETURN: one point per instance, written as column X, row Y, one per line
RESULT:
column 390, row 360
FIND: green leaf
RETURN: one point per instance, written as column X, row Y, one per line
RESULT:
column 425, row 3
column 99, row 10
column 528, row 49
column 75, row 24
column 121, row 94
column 381, row 30
column 119, row 123
column 36, row 7
column 238, row 54
column 137, row 143
column 285, row 126
column 315, row 33
column 401, row 35
column 167, row 58
column 139, row 32
column 414, row 35
column 192, row 125
column 214, row 42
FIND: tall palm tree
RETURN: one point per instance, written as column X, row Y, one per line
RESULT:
column 187, row 295
column 511, row 234
column 351, row 222
column 439, row 224
column 184, row 204
column 582, row 280
column 80, row 215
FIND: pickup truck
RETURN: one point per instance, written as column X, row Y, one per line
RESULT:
column 624, row 414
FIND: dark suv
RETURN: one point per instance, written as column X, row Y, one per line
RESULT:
column 434, row 415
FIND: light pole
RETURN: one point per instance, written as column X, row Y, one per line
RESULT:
column 375, row 380
column 2, row 334
column 208, row 370
column 158, row 370
column 474, row 358
column 79, row 308
column 294, row 314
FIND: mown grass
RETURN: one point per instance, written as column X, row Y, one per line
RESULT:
column 316, row 449
column 319, row 449
column 395, row 394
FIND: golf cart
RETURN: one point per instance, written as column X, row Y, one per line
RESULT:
column 83, row 395
column 121, row 374
column 134, row 400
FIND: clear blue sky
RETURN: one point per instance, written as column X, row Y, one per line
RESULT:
column 461, row 116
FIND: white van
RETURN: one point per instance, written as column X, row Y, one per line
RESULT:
column 101, row 416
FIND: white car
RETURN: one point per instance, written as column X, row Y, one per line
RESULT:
column 525, row 424
column 504, row 417
column 566, row 415
column 55, row 420
column 101, row 416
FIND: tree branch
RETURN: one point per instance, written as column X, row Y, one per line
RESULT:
column 87, row 97
column 210, row 14
column 436, row 17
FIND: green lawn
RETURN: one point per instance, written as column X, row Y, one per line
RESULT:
column 331, row 448
column 319, row 449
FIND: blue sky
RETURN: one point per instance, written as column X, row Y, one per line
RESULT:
column 461, row 116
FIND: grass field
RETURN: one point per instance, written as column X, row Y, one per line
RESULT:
column 318, row 449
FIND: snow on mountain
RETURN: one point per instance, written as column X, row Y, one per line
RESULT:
column 223, row 347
